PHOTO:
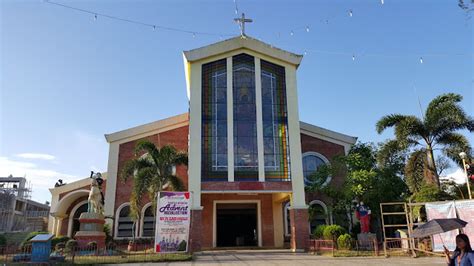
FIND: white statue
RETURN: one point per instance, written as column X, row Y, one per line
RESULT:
column 96, row 198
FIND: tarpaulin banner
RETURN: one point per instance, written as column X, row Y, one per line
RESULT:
column 465, row 210
column 440, row 210
column 172, row 222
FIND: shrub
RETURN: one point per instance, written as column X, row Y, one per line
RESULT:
column 318, row 231
column 3, row 240
column 344, row 241
column 108, row 235
column 92, row 245
column 59, row 239
column 332, row 232
column 71, row 245
column 59, row 246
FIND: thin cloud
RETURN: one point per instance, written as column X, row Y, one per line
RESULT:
column 37, row 156
column 40, row 178
column 459, row 176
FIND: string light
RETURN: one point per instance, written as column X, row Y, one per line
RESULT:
column 154, row 27
column 382, row 2
column 353, row 57
column 350, row 13
column 307, row 28
column 292, row 33
column 136, row 22
column 421, row 60
column 194, row 35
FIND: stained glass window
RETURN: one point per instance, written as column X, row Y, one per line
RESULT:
column 245, row 122
column 275, row 122
column 214, row 121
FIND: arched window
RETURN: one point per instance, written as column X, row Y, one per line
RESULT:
column 125, row 227
column 311, row 162
column 318, row 214
column 148, row 221
column 75, row 214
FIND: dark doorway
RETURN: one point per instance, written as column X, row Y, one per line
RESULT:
column 75, row 218
column 236, row 224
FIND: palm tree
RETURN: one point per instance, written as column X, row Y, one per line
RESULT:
column 436, row 130
column 151, row 170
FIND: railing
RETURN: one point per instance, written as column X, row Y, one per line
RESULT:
column 30, row 214
column 350, row 248
column 90, row 255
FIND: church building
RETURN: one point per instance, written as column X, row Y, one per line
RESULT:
column 249, row 155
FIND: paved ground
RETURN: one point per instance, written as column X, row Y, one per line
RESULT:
column 247, row 257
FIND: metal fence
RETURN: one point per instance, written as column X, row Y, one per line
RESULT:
column 90, row 255
column 348, row 249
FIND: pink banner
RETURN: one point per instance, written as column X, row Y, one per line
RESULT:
column 465, row 210
column 439, row 210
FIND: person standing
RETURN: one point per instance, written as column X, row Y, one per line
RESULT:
column 462, row 255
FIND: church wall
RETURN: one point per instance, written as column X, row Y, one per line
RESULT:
column 177, row 137
column 207, row 201
column 65, row 222
column 62, row 195
column 328, row 150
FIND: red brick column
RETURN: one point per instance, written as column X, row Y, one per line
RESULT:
column 299, row 229
column 195, row 233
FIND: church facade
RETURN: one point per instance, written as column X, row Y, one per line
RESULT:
column 249, row 155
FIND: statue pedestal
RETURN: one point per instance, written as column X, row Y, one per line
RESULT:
column 366, row 240
column 91, row 229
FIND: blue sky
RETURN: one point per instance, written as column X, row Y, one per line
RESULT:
column 67, row 79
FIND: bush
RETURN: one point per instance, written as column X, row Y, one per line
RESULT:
column 92, row 245
column 3, row 240
column 71, row 245
column 60, row 246
column 108, row 235
column 344, row 241
column 59, row 239
column 332, row 232
column 318, row 231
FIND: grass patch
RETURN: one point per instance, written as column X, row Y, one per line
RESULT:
column 89, row 260
column 93, row 260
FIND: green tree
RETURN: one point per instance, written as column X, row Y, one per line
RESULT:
column 370, row 176
column 151, row 169
column 436, row 130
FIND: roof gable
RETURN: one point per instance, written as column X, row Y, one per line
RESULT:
column 240, row 42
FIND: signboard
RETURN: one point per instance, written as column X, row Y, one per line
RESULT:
column 438, row 210
column 172, row 222
column 465, row 210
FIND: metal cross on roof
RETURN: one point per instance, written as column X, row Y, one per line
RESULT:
column 241, row 21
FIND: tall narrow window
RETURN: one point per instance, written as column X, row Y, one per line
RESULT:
column 214, row 121
column 245, row 123
column 275, row 122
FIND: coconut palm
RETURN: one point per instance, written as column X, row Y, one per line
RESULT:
column 151, row 170
column 437, row 130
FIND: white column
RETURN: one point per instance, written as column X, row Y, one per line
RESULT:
column 194, row 166
column 111, row 186
column 297, row 180
column 230, row 122
column 258, row 105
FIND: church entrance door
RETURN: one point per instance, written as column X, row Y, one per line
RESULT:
column 236, row 224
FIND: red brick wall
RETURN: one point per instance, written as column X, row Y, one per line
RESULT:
column 65, row 222
column 328, row 150
column 266, row 207
column 177, row 137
